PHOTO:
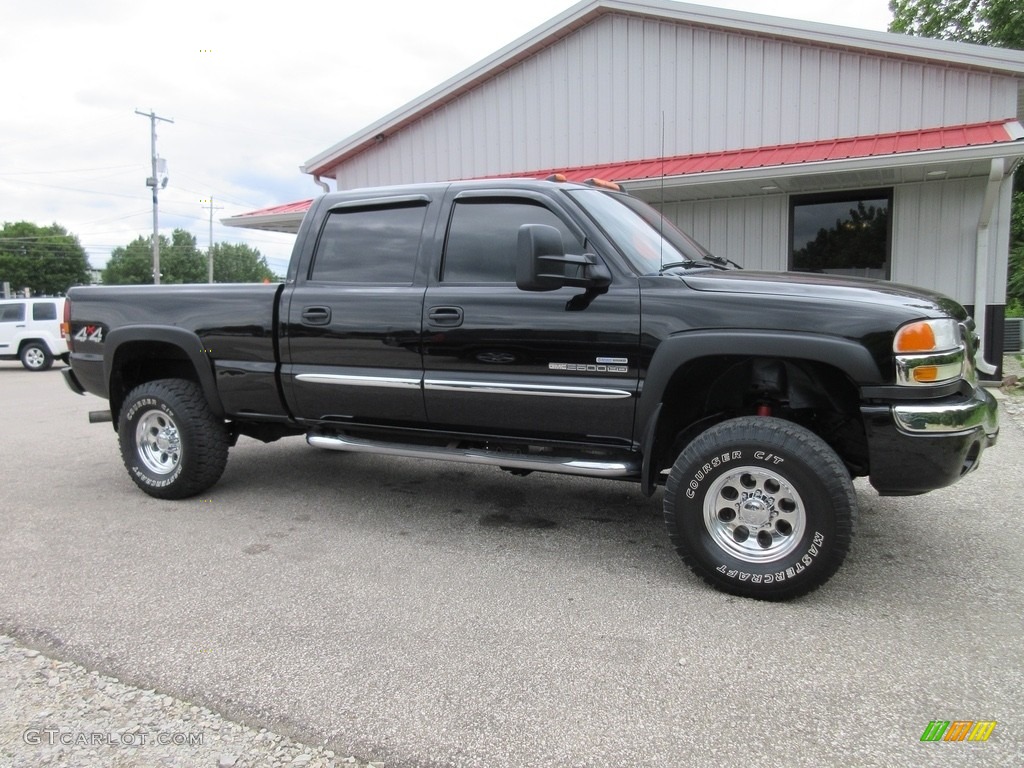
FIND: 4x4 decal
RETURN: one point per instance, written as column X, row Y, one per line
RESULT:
column 90, row 333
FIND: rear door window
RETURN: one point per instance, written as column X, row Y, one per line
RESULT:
column 375, row 245
column 12, row 313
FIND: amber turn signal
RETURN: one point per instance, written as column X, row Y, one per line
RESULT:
column 916, row 337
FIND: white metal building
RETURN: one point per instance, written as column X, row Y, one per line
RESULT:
column 770, row 140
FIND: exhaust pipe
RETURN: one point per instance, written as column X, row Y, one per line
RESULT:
column 99, row 417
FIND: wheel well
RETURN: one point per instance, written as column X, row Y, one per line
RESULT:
column 25, row 342
column 708, row 390
column 136, row 362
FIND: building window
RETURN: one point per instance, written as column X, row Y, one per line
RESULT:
column 842, row 234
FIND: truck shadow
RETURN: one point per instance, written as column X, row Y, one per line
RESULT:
column 389, row 496
column 607, row 524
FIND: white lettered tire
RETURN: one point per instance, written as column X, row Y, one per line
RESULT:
column 760, row 507
column 171, row 444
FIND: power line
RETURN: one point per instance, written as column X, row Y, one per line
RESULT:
column 69, row 189
column 69, row 170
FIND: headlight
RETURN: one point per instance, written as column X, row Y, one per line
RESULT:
column 929, row 352
column 928, row 336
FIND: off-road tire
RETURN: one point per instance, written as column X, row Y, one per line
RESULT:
column 760, row 507
column 171, row 444
column 35, row 356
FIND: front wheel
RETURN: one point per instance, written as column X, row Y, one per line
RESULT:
column 760, row 507
column 36, row 357
column 171, row 443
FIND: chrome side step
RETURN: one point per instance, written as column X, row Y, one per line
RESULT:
column 565, row 465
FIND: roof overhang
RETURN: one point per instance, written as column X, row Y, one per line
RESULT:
column 856, row 162
column 278, row 218
column 863, row 161
column 943, row 52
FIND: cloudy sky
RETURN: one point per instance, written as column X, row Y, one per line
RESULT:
column 254, row 89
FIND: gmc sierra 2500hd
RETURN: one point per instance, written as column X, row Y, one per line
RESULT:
column 544, row 325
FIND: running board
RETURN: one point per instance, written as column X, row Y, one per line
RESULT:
column 561, row 464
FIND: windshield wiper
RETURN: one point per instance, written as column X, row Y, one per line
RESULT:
column 688, row 264
column 721, row 261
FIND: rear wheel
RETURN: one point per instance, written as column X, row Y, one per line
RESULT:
column 35, row 356
column 171, row 443
column 760, row 507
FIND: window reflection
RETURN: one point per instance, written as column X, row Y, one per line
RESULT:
column 842, row 234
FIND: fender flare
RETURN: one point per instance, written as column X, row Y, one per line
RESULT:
column 849, row 356
column 187, row 341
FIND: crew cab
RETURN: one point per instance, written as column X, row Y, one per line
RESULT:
column 549, row 326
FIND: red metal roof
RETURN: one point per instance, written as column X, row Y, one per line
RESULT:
column 790, row 154
column 884, row 144
column 300, row 206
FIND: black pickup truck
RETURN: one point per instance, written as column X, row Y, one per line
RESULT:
column 542, row 325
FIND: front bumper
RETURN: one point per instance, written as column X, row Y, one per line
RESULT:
column 920, row 446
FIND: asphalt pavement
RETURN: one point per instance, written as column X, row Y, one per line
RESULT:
column 427, row 614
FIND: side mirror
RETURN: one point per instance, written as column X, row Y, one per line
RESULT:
column 543, row 265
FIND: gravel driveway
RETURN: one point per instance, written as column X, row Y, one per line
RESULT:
column 328, row 610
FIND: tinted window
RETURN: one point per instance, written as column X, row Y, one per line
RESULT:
column 12, row 313
column 44, row 311
column 846, row 234
column 369, row 245
column 483, row 237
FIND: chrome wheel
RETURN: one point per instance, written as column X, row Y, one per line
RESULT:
column 754, row 514
column 171, row 443
column 156, row 436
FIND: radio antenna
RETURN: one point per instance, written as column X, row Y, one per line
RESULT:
column 661, row 221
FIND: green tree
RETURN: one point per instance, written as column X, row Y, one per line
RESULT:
column 987, row 22
column 46, row 260
column 998, row 23
column 180, row 261
column 1015, row 280
column 239, row 263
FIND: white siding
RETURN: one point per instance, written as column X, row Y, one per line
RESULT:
column 934, row 235
column 603, row 93
column 752, row 231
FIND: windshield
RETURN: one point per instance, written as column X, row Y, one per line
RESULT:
column 649, row 240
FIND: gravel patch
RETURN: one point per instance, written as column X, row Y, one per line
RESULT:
column 1011, row 405
column 54, row 713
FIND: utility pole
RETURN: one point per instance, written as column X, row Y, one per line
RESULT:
column 155, row 184
column 209, row 253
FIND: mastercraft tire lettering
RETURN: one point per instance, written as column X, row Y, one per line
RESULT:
column 760, row 507
column 171, row 444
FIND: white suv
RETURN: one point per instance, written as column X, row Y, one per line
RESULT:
column 30, row 331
